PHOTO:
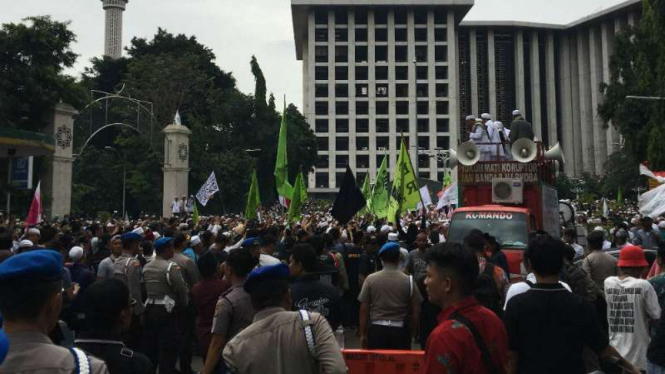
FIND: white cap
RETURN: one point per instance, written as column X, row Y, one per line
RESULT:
column 393, row 237
column 498, row 124
column 599, row 228
column 634, row 221
column 516, row 113
column 76, row 253
column 195, row 240
column 139, row 231
column 25, row 243
column 661, row 225
column 371, row 229
column 470, row 117
column 33, row 231
column 110, row 224
column 485, row 116
column 385, row 229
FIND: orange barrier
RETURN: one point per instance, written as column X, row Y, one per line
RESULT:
column 384, row 362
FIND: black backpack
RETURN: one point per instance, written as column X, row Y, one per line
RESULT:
column 486, row 292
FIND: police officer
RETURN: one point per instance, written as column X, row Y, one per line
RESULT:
column 128, row 269
column 30, row 303
column 167, row 292
column 280, row 341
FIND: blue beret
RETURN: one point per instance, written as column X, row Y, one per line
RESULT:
column 4, row 346
column 272, row 272
column 389, row 247
column 251, row 242
column 163, row 242
column 130, row 236
column 44, row 264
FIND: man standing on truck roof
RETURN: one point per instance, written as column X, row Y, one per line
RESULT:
column 520, row 128
column 481, row 138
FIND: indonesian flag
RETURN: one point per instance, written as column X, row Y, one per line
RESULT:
column 35, row 215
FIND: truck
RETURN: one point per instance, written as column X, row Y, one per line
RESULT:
column 509, row 200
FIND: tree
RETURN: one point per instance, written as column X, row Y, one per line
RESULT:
column 177, row 72
column 638, row 68
column 33, row 56
column 622, row 172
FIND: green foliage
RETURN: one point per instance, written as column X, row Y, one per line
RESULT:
column 638, row 68
column 622, row 171
column 33, row 55
column 177, row 72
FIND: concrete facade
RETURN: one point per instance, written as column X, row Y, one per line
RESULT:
column 176, row 165
column 57, row 178
column 113, row 27
column 373, row 72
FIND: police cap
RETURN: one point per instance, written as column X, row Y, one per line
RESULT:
column 44, row 264
column 389, row 247
column 266, row 273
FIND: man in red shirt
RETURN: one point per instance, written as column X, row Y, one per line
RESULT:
column 470, row 339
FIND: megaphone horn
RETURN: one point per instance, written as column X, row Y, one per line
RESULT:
column 524, row 150
column 468, row 154
column 556, row 154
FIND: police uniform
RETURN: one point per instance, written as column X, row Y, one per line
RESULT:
column 186, row 316
column 128, row 269
column 233, row 313
column 31, row 351
column 166, row 288
column 280, row 341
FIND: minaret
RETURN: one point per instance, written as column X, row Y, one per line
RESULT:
column 113, row 32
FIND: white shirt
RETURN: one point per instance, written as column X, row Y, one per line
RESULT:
column 579, row 250
column 630, row 304
column 522, row 287
column 403, row 258
column 267, row 260
column 175, row 206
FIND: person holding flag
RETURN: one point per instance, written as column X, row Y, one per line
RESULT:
column 299, row 198
column 378, row 201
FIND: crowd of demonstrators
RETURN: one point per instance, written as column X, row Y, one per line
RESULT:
column 264, row 295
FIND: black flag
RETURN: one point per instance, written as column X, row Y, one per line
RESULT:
column 350, row 199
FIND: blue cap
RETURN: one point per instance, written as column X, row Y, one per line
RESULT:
column 389, row 247
column 4, row 346
column 271, row 272
column 44, row 264
column 130, row 236
column 251, row 242
column 163, row 242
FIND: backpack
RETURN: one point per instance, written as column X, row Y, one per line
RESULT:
column 486, row 292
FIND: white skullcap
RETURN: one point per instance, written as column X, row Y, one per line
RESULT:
column 139, row 231
column 25, row 243
column 196, row 240
column 33, row 230
column 385, row 229
column 661, row 225
column 485, row 116
column 599, row 228
column 634, row 221
column 371, row 229
column 393, row 237
column 110, row 224
column 516, row 113
column 76, row 253
column 470, row 117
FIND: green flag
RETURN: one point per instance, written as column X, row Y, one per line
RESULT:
column 366, row 190
column 299, row 198
column 405, row 193
column 378, row 202
column 620, row 197
column 447, row 181
column 284, row 188
column 195, row 214
column 253, row 198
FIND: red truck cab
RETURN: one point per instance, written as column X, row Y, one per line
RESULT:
column 508, row 200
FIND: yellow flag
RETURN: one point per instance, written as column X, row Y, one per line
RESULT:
column 405, row 194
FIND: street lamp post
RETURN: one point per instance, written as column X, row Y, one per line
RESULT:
column 124, row 176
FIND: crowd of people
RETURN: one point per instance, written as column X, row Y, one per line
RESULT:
column 252, row 296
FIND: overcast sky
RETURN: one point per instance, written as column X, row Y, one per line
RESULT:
column 235, row 30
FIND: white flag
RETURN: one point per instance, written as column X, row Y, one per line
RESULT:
column 449, row 197
column 425, row 196
column 176, row 120
column 645, row 171
column 606, row 209
column 208, row 189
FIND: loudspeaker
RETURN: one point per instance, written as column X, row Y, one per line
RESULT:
column 468, row 154
column 556, row 154
column 524, row 150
